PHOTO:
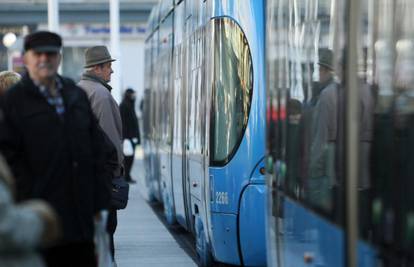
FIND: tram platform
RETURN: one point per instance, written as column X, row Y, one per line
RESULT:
column 141, row 239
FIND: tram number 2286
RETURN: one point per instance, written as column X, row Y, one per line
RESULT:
column 222, row 198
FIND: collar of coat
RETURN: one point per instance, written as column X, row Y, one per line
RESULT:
column 69, row 96
column 91, row 77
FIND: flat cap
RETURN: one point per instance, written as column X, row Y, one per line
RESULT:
column 43, row 41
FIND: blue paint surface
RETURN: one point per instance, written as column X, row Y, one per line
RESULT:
column 224, row 239
column 252, row 225
column 306, row 233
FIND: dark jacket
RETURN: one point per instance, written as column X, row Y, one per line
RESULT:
column 130, row 127
column 60, row 161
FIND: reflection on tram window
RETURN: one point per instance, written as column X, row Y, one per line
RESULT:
column 306, row 58
column 306, row 110
column 391, row 202
column 233, row 83
column 322, row 177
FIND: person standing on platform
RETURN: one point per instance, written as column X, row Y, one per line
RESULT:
column 55, row 149
column 26, row 226
column 94, row 81
column 130, row 131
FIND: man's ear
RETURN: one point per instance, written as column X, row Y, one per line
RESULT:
column 96, row 69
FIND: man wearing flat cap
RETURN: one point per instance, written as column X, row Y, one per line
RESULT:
column 56, row 150
column 98, row 70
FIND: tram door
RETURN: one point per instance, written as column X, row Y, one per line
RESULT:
column 195, row 101
column 166, row 111
column 179, row 129
column 155, row 119
column 305, row 49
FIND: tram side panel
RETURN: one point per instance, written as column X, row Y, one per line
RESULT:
column 166, row 101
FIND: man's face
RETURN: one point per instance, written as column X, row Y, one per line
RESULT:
column 41, row 65
column 324, row 74
column 105, row 71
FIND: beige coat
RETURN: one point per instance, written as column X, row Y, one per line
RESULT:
column 106, row 111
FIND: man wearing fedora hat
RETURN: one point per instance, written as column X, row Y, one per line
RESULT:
column 98, row 70
column 56, row 150
column 324, row 136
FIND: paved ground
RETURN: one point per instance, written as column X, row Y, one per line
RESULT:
column 141, row 238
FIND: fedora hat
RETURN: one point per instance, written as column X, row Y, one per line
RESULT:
column 326, row 58
column 97, row 55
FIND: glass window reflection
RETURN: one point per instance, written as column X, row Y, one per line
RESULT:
column 232, row 90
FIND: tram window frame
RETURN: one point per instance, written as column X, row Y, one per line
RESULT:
column 222, row 26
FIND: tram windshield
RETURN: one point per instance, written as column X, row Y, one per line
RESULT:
column 233, row 84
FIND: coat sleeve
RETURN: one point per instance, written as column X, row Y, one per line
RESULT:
column 105, row 164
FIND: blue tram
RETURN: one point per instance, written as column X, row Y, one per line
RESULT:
column 204, row 127
column 340, row 114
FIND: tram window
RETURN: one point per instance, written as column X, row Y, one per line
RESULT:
column 232, row 82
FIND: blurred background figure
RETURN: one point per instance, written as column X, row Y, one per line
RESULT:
column 130, row 131
column 7, row 79
column 61, row 159
column 23, row 227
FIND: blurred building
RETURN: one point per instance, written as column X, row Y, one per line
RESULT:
column 83, row 23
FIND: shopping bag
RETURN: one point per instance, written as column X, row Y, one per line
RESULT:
column 127, row 147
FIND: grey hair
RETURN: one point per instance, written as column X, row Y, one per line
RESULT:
column 89, row 69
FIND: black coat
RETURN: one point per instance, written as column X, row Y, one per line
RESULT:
column 130, row 127
column 60, row 161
